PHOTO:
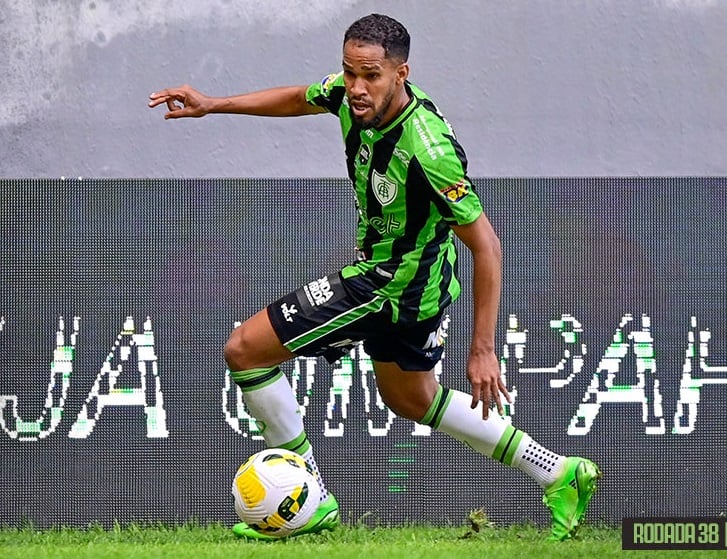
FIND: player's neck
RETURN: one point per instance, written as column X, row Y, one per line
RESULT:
column 398, row 104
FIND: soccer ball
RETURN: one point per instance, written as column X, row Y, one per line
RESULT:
column 276, row 492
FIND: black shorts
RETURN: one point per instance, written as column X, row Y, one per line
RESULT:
column 328, row 316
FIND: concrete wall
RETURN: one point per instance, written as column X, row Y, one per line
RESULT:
column 533, row 88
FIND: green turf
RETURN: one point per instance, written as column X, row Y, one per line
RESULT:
column 413, row 542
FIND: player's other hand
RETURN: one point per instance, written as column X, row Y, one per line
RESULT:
column 182, row 102
column 483, row 372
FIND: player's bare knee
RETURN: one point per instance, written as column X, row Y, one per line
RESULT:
column 237, row 350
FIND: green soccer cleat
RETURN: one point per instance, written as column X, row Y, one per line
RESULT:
column 568, row 497
column 325, row 518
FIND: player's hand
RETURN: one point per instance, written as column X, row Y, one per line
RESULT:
column 193, row 103
column 483, row 372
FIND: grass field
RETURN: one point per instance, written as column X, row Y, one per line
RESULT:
column 216, row 541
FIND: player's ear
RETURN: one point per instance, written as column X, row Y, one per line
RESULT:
column 402, row 72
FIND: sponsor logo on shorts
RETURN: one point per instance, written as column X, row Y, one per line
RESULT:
column 456, row 192
column 288, row 311
column 436, row 338
column 319, row 292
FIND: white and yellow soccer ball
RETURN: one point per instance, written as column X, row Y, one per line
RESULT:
column 276, row 492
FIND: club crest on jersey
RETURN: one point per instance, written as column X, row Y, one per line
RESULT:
column 384, row 188
column 456, row 192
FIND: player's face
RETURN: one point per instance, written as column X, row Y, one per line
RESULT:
column 374, row 84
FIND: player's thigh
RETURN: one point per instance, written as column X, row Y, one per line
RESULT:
column 408, row 394
column 255, row 344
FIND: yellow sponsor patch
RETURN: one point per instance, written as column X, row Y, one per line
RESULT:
column 456, row 192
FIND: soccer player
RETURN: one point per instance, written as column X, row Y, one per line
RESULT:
column 413, row 194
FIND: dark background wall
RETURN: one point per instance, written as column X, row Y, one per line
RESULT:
column 611, row 331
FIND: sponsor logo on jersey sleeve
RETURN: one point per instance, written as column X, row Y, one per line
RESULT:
column 327, row 83
column 456, row 192
column 432, row 147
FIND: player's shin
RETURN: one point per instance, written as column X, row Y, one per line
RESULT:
column 270, row 400
column 450, row 412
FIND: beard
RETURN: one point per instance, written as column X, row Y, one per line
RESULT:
column 375, row 120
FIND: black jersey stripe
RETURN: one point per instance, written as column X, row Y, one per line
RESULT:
column 417, row 215
column 383, row 151
column 333, row 101
column 459, row 151
column 415, row 290
column 448, row 273
column 353, row 143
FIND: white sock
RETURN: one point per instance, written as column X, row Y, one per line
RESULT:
column 276, row 411
column 541, row 464
column 308, row 457
column 270, row 400
column 451, row 413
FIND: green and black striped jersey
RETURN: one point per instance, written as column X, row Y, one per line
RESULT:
column 411, row 183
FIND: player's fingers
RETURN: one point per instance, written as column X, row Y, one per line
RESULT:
column 486, row 402
column 475, row 396
column 154, row 101
column 177, row 112
column 504, row 392
column 172, row 104
column 159, row 97
column 497, row 399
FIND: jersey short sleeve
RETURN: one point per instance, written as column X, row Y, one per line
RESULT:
column 454, row 194
column 327, row 93
column 452, row 189
column 442, row 162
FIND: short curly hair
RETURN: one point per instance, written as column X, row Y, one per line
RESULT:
column 378, row 29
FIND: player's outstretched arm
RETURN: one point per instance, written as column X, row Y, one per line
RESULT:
column 185, row 101
column 483, row 367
